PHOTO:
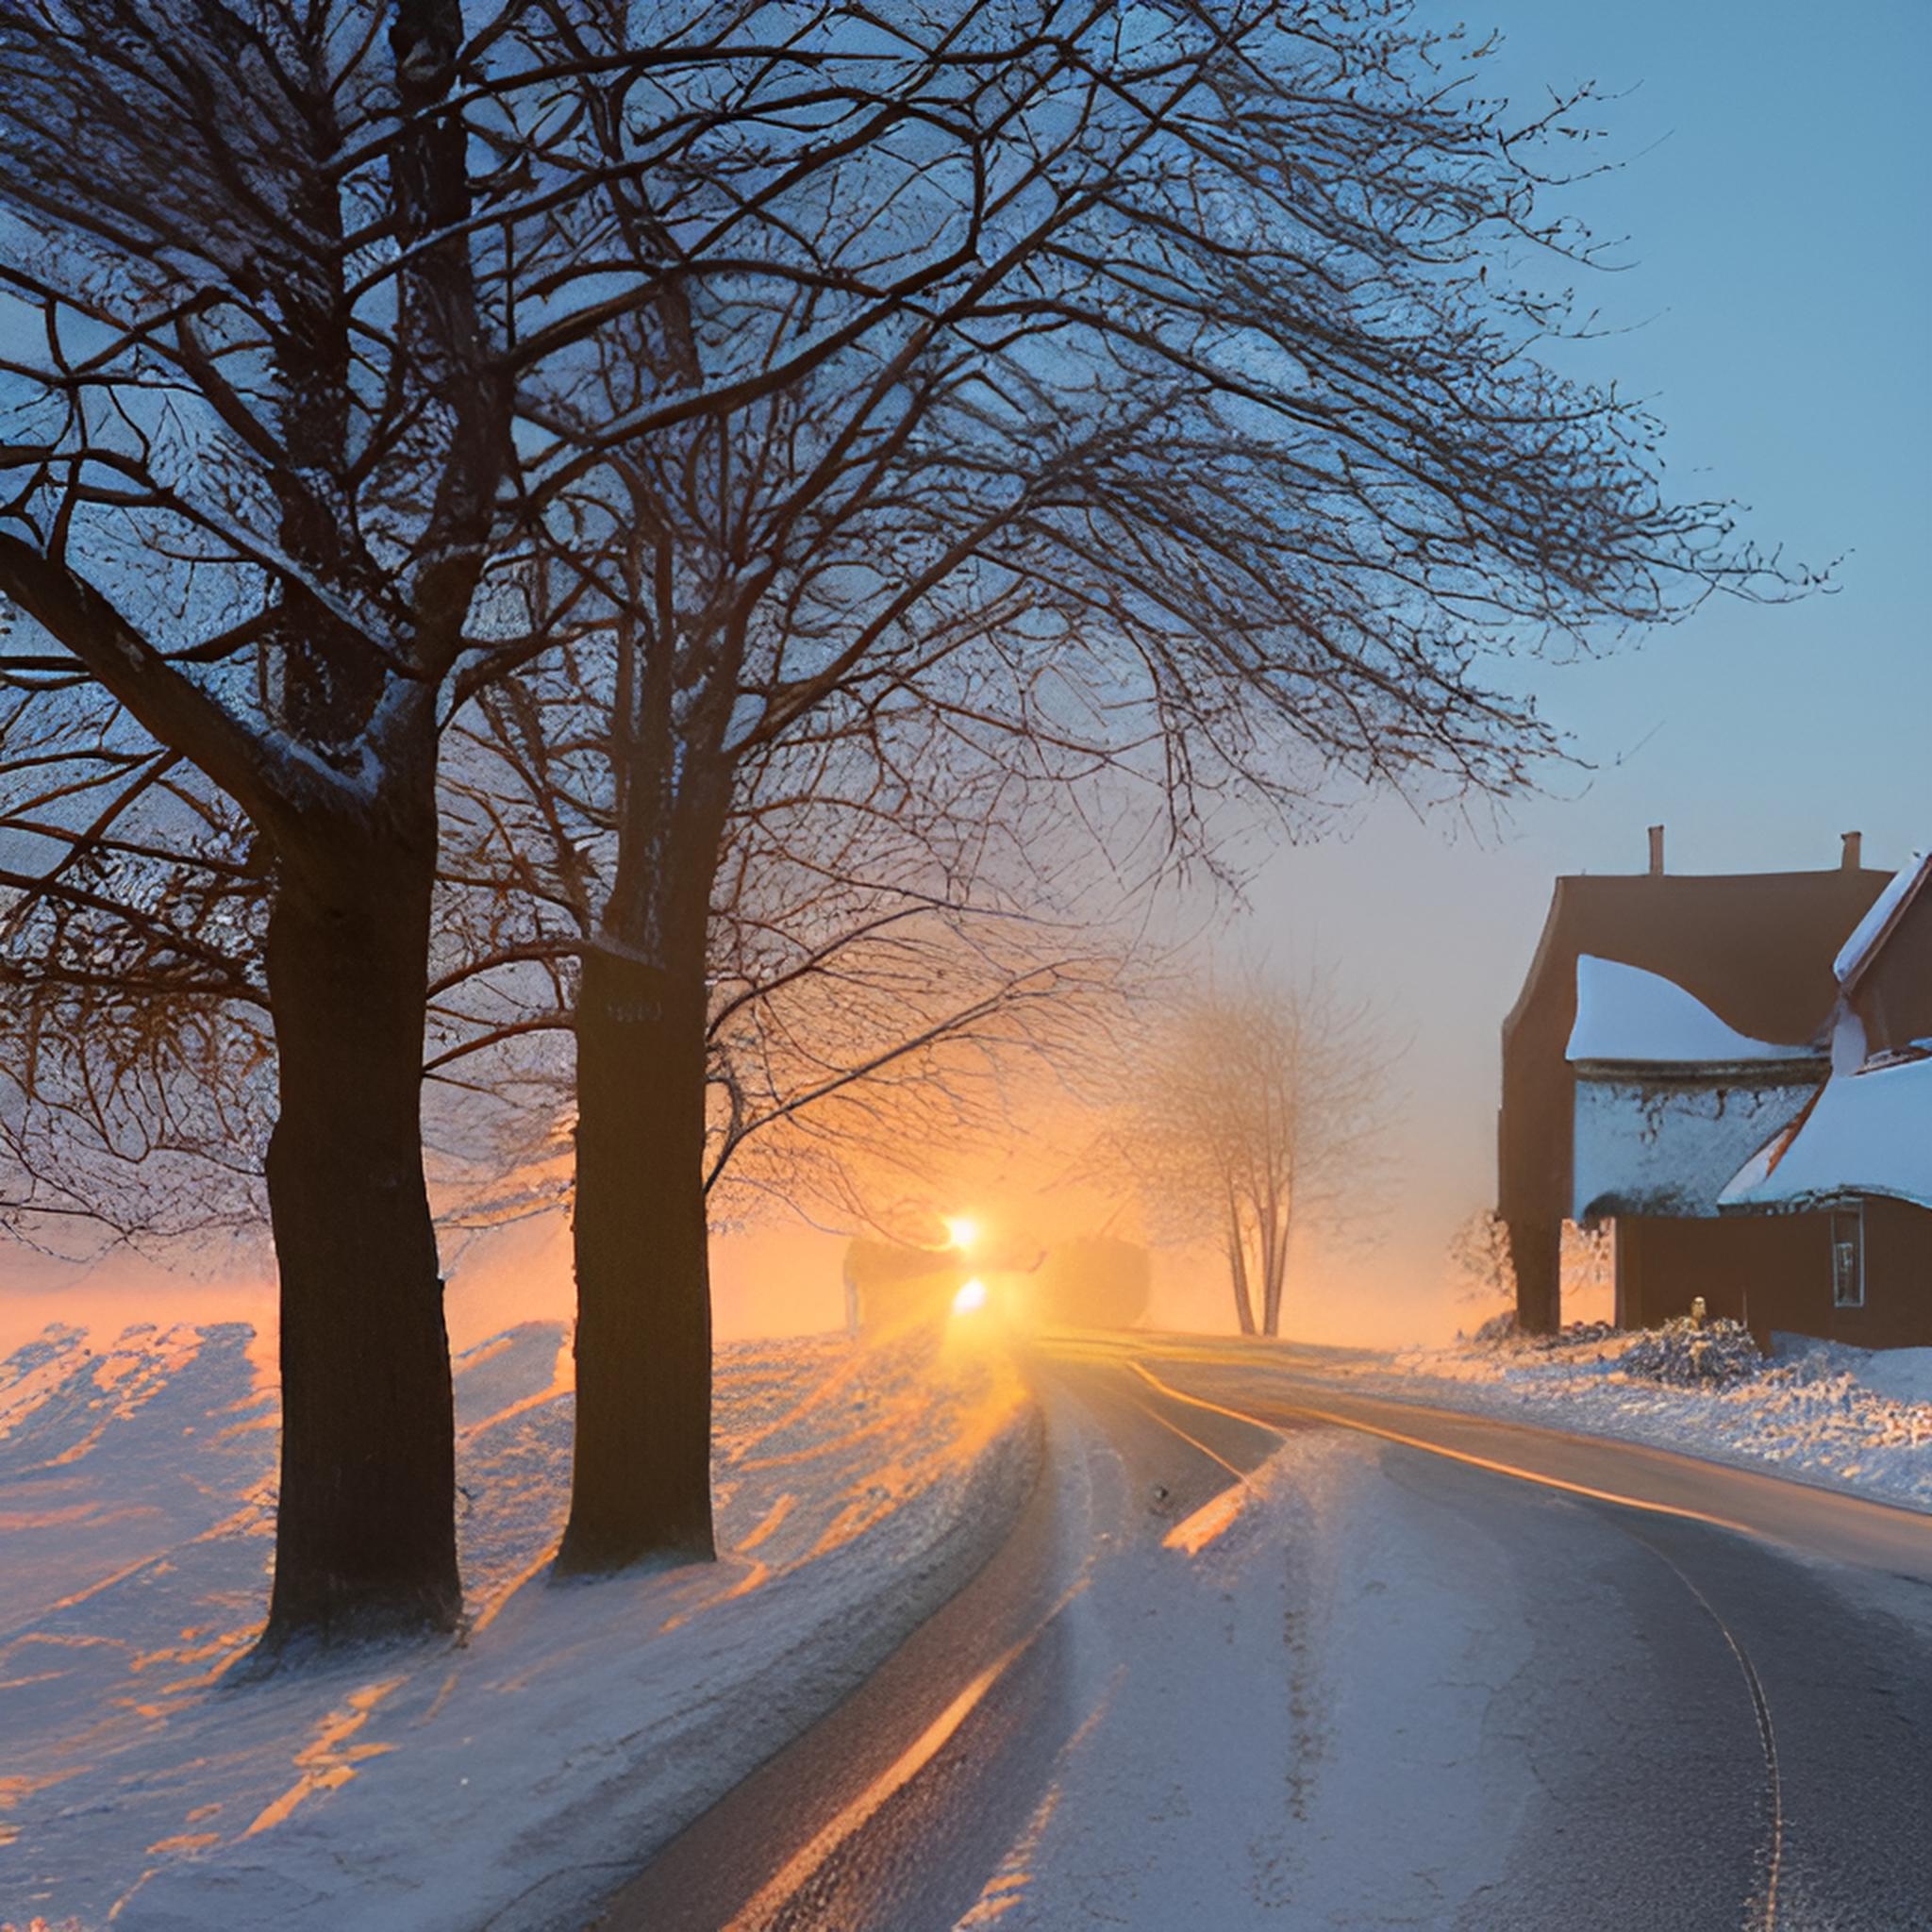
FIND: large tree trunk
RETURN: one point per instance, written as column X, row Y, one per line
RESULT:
column 1238, row 1272
column 640, row 1480
column 1276, row 1275
column 1536, row 1249
column 365, row 1539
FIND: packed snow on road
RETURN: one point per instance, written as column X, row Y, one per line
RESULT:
column 1284, row 1701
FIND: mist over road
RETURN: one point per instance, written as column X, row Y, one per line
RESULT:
column 1262, row 1652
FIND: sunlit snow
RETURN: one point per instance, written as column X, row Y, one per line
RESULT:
column 150, row 1772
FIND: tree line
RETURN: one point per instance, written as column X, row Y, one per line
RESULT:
column 649, row 568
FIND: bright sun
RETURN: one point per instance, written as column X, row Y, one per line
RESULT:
column 972, row 1295
column 962, row 1231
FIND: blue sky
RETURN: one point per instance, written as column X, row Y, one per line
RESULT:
column 1776, row 195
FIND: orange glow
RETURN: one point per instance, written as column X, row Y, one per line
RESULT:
column 1194, row 1533
column 917, row 1756
column 185, row 1842
column 772, row 1518
column 999, row 1898
column 329, row 1760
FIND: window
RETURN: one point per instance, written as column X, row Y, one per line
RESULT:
column 1848, row 1257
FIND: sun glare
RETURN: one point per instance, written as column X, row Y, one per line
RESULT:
column 972, row 1295
column 962, row 1231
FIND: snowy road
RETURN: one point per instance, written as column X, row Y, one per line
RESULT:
column 1265, row 1653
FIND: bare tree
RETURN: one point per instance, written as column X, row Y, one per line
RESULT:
column 872, row 973
column 1255, row 1114
column 275, row 276
column 1160, row 419
column 864, row 1020
column 878, row 955
column 250, row 470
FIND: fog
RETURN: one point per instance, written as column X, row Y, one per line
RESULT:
column 1792, row 379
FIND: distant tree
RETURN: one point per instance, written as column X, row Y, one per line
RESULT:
column 1480, row 1260
column 1256, row 1113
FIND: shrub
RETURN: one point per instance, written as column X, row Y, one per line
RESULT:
column 1688, row 1356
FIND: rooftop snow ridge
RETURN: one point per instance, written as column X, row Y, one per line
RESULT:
column 1870, row 932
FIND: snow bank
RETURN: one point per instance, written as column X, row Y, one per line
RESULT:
column 512, row 1777
column 1847, row 1418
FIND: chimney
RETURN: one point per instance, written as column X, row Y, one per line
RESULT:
column 1853, row 856
column 1657, row 851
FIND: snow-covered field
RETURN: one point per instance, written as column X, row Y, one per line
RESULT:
column 511, row 1776
column 1848, row 1418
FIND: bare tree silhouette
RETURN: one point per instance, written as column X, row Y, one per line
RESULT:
column 280, row 280
column 875, row 956
column 250, row 471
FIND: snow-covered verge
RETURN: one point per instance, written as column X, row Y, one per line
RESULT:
column 151, row 1774
column 1848, row 1418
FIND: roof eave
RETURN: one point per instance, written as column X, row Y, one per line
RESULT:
column 1816, row 1200
column 1799, row 1071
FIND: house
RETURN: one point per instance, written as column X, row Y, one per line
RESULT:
column 1714, row 1040
column 1857, row 1160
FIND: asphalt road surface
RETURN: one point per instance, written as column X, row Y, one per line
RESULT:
column 1726, row 1720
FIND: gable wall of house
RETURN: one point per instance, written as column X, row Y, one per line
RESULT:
column 1894, row 997
column 1765, row 1271
column 1897, row 1313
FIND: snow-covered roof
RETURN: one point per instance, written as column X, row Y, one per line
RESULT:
column 1870, row 932
column 1867, row 1133
column 1629, row 1016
